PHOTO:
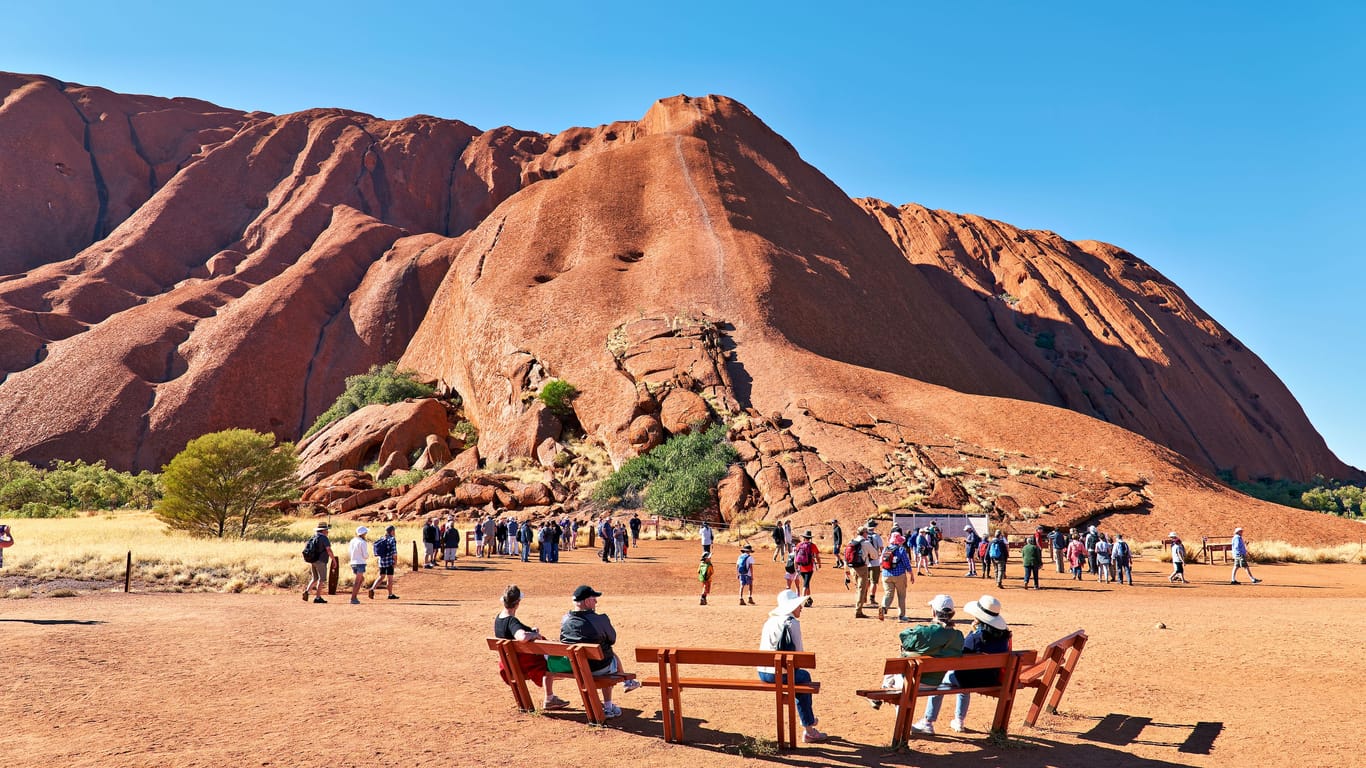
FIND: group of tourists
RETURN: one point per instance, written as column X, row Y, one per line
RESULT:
column 318, row 554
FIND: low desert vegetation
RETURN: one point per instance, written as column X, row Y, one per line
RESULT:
column 1267, row 552
column 675, row 479
column 382, row 384
column 1323, row 495
column 558, row 395
column 95, row 549
column 67, row 487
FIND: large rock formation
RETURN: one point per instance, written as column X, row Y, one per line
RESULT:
column 682, row 268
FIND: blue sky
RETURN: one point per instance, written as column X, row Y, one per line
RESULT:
column 1222, row 142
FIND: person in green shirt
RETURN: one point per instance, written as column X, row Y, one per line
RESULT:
column 938, row 639
column 1032, row 559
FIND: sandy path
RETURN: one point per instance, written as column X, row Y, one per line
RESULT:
column 225, row 680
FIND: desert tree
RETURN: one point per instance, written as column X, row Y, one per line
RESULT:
column 224, row 483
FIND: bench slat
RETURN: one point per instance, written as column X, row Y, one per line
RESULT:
column 729, row 684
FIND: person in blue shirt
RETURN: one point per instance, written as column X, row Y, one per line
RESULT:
column 1240, row 558
column 386, row 551
column 896, row 571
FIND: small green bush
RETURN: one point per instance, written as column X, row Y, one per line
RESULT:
column 382, row 384
column 411, row 477
column 676, row 479
column 70, row 485
column 466, row 431
column 556, row 394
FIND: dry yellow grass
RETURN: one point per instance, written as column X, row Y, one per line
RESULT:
column 95, row 549
column 1271, row 552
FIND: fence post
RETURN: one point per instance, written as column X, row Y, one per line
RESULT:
column 415, row 566
column 128, row 572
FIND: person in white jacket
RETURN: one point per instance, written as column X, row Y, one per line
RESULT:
column 360, row 552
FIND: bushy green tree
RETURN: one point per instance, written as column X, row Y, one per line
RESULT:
column 71, row 485
column 675, row 479
column 382, row 384
column 557, row 394
column 1320, row 500
column 223, row 482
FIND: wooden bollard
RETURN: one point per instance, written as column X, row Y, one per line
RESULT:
column 415, row 565
column 128, row 572
column 333, row 573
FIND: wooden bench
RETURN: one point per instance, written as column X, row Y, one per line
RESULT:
column 784, row 688
column 1052, row 672
column 579, row 655
column 915, row 668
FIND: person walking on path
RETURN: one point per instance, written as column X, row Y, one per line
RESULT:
column 1178, row 559
column 783, row 632
column 430, row 533
column 635, row 529
column 704, row 573
column 936, row 536
column 895, row 565
column 1123, row 559
column 779, row 550
column 1076, row 556
column 970, row 542
column 707, row 536
column 1103, row 559
column 525, row 535
column 1058, row 543
column 317, row 568
column 359, row 550
column 514, row 542
column 1240, row 558
column 7, row 541
column 787, row 536
column 837, row 536
column 1031, row 557
column 386, row 552
column 999, row 552
column 1091, row 536
column 744, row 571
column 923, row 546
column 858, row 556
column 874, row 568
column 807, row 558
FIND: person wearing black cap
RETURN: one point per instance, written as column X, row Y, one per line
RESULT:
column 386, row 551
column 585, row 625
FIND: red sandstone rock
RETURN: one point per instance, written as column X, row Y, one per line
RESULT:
column 373, row 431
column 436, row 454
column 397, row 461
column 681, row 410
column 732, row 493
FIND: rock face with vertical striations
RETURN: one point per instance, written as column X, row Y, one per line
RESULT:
column 204, row 268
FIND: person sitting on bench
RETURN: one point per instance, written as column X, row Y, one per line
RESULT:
column 989, row 634
column 508, row 627
column 585, row 625
column 783, row 632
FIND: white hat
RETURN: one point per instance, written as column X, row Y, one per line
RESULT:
column 987, row 610
column 788, row 601
column 1172, row 535
column 1237, row 530
column 941, row 604
column 361, row 531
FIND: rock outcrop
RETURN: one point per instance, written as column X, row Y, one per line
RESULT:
column 231, row 269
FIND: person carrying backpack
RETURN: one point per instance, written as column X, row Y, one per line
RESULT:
column 970, row 542
column 807, row 558
column 744, row 571
column 704, row 573
column 856, row 556
column 1057, row 541
column 1123, row 559
column 896, row 571
column 837, row 536
column 999, row 552
column 317, row 553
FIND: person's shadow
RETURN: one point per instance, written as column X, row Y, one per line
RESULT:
column 56, row 622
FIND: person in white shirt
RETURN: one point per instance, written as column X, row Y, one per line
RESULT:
column 360, row 552
column 783, row 631
column 706, row 537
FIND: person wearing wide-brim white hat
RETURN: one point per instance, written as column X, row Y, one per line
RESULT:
column 1239, row 548
column 783, row 631
column 360, row 552
column 989, row 634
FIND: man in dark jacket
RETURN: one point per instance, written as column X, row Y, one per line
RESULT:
column 585, row 625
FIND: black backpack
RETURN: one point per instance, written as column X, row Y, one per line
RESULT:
column 312, row 549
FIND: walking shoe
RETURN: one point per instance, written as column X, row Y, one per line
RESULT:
column 354, row 601
column 305, row 597
column 813, row 737
column 704, row 600
column 428, row 565
column 742, row 601
column 393, row 597
column 372, row 593
column 906, row 619
column 808, row 602
column 319, row 600
column 630, row 685
column 1256, row 581
column 1235, row 581
column 881, row 614
column 860, row 615
column 554, row 702
column 610, row 710
column 923, row 726
column 956, row 725
column 751, row 599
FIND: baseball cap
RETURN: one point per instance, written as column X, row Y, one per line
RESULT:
column 583, row 592
column 941, row 604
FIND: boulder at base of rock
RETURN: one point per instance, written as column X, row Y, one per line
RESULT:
column 645, row 433
column 436, row 454
column 732, row 492
column 681, row 409
column 547, row 451
column 466, row 463
column 442, row 481
column 368, row 434
column 396, row 462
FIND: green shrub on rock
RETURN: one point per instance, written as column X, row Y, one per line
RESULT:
column 675, row 479
column 382, row 384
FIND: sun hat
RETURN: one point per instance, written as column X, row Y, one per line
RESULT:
column 747, row 548
column 872, row 523
column 942, row 605
column 1171, row 535
column 968, row 527
column 806, row 535
column 1237, row 530
column 323, row 527
column 389, row 529
column 788, row 601
column 987, row 610
column 362, row 530
column 583, row 592
column 898, row 539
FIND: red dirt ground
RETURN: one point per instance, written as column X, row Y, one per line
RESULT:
column 224, row 680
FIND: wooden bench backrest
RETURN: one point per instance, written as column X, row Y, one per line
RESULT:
column 726, row 657
column 547, row 648
column 928, row 664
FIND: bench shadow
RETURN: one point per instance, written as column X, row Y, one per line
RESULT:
column 57, row 622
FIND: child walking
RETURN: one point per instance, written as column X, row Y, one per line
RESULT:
column 704, row 573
